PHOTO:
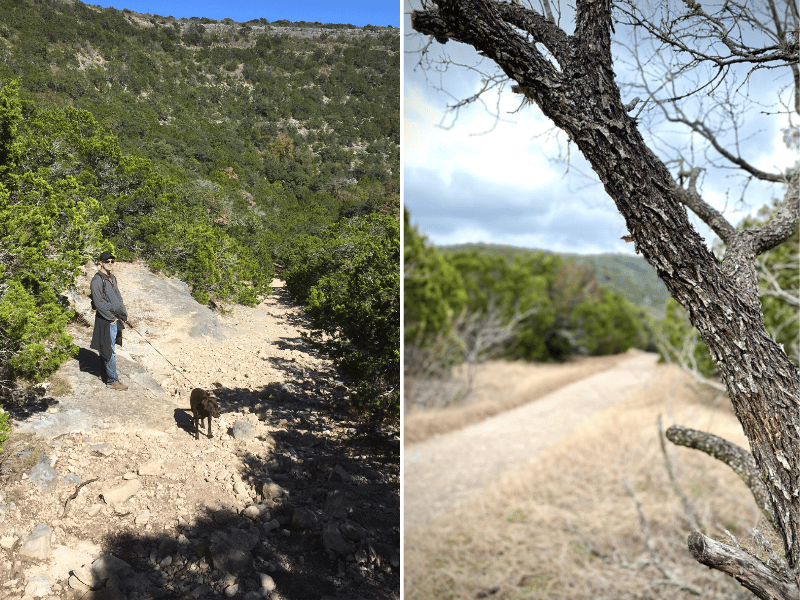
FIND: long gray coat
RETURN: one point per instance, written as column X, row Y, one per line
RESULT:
column 109, row 305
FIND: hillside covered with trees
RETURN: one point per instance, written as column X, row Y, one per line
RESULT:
column 215, row 151
column 470, row 303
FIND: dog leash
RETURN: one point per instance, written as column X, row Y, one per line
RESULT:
column 162, row 356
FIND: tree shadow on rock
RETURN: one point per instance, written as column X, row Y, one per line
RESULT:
column 313, row 513
column 310, row 529
column 22, row 403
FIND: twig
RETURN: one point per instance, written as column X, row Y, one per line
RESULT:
column 691, row 516
column 669, row 578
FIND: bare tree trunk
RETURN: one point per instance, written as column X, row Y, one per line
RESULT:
column 581, row 97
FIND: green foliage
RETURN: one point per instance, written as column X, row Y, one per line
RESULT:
column 48, row 229
column 433, row 289
column 32, row 322
column 10, row 116
column 556, row 305
column 349, row 280
column 210, row 150
column 605, row 325
column 4, row 426
column 520, row 287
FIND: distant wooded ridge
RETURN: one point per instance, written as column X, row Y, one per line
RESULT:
column 260, row 25
column 630, row 276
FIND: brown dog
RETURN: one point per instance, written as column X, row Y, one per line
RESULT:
column 204, row 405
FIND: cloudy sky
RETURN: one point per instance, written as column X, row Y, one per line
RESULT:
column 354, row 12
column 479, row 179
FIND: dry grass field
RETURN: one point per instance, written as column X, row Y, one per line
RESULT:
column 565, row 526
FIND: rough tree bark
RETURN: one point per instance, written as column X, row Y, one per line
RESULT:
column 579, row 94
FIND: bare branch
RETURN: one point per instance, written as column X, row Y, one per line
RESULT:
column 705, row 131
column 737, row 458
column 669, row 577
column 690, row 197
column 723, row 34
column 773, row 287
column 783, row 223
column 764, row 581
column 691, row 516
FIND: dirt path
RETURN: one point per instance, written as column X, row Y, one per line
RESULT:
column 442, row 472
column 300, row 454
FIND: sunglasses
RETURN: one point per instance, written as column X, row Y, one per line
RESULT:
column 109, row 262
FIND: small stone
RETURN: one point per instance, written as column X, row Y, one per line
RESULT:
column 129, row 476
column 270, row 526
column 103, row 449
column 242, row 430
column 142, row 518
column 108, row 565
column 252, row 512
column 122, row 493
column 71, row 480
column 303, row 518
column 37, row 586
column 271, row 490
column 38, row 543
column 7, row 542
column 200, row 591
column 152, row 468
column 353, row 531
column 334, row 541
column 43, row 475
column 340, row 475
column 231, row 590
column 267, row 583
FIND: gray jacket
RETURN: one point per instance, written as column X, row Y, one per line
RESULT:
column 107, row 299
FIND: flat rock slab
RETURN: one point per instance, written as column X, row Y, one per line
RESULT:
column 92, row 405
column 442, row 472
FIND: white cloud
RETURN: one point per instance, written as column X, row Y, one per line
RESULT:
column 507, row 152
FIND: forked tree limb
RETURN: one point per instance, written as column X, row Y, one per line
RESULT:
column 736, row 457
column 764, row 581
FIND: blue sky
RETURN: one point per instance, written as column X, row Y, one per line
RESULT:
column 354, row 12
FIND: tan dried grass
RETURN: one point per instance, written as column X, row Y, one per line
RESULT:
column 564, row 525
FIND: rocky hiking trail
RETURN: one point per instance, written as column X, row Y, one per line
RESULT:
column 107, row 494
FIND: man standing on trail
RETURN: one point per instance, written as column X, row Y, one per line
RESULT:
column 109, row 320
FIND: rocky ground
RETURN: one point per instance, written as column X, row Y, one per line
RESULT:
column 107, row 494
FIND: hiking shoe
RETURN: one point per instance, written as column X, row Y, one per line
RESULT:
column 118, row 385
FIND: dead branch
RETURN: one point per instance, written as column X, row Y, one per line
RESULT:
column 764, row 581
column 669, row 577
column 688, row 509
column 737, row 458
